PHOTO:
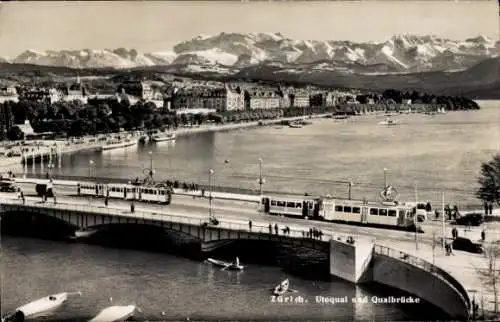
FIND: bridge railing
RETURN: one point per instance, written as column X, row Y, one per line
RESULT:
column 428, row 267
column 233, row 224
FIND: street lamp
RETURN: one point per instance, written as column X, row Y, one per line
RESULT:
column 210, row 173
column 385, row 177
column 261, row 180
column 91, row 164
column 151, row 171
column 50, row 166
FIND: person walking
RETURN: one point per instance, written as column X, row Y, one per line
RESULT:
column 276, row 228
column 454, row 233
column 483, row 235
column 491, row 208
column 250, row 225
column 270, row 229
column 132, row 207
column 106, row 201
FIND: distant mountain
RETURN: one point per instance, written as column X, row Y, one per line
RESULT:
column 229, row 53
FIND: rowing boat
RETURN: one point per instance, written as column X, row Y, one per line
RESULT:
column 281, row 288
column 234, row 266
column 114, row 313
column 41, row 307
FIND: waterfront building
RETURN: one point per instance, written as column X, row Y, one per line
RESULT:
column 6, row 117
column 261, row 99
column 219, row 99
column 9, row 94
column 301, row 98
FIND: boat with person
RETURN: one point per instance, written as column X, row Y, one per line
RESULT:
column 39, row 308
column 119, row 143
column 233, row 266
column 160, row 137
column 115, row 313
column 281, row 288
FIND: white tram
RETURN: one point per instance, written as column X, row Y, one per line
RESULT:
column 125, row 192
column 348, row 211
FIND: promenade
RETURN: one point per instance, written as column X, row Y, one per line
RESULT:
column 467, row 268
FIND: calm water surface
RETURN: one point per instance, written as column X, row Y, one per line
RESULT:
column 177, row 286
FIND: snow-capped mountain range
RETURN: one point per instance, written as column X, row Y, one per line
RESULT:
column 232, row 52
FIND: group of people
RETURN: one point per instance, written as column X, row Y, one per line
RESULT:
column 488, row 208
column 314, row 233
column 286, row 229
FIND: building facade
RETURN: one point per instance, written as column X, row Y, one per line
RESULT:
column 199, row 98
column 262, row 99
column 138, row 89
column 8, row 94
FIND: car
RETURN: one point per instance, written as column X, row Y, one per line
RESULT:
column 471, row 219
column 465, row 244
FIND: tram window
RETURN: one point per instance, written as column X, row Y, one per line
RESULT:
column 356, row 210
column 392, row 213
column 374, row 211
column 338, row 208
column 298, row 205
column 281, row 204
column 290, row 204
column 273, row 203
column 382, row 212
column 347, row 209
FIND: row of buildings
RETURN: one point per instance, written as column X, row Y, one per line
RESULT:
column 227, row 97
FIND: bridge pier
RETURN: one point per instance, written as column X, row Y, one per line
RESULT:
column 352, row 262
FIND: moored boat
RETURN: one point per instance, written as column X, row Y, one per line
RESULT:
column 281, row 288
column 389, row 122
column 41, row 307
column 160, row 137
column 114, row 313
column 234, row 266
column 117, row 144
column 295, row 125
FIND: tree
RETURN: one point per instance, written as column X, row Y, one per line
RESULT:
column 15, row 133
column 491, row 273
column 489, row 181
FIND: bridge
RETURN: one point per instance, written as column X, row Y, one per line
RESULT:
column 360, row 262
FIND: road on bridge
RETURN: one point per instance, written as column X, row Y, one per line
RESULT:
column 242, row 212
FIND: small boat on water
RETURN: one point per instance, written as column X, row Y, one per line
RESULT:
column 115, row 313
column 281, row 288
column 389, row 122
column 295, row 125
column 160, row 137
column 84, row 233
column 233, row 266
column 39, row 308
column 117, row 144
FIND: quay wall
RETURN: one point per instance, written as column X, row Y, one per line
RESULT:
column 432, row 284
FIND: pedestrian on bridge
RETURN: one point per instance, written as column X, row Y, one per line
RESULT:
column 454, row 233
column 491, row 208
column 106, row 201
column 276, row 228
column 486, row 207
column 483, row 235
column 132, row 207
column 270, row 229
column 250, row 224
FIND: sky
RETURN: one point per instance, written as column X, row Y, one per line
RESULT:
column 158, row 26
